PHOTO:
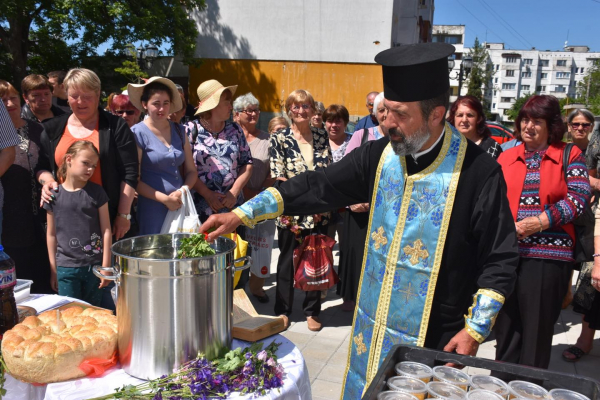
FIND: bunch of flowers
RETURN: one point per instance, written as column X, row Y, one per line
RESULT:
column 247, row 370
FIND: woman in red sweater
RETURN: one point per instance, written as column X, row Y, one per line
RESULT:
column 544, row 203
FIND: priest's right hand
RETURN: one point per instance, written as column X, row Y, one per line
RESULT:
column 221, row 223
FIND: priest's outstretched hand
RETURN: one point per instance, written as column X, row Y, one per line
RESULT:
column 221, row 224
column 462, row 343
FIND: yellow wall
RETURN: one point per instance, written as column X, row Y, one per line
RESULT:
column 272, row 81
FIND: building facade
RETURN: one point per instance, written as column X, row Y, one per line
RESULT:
column 271, row 48
column 454, row 35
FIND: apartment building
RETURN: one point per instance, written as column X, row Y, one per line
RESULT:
column 454, row 35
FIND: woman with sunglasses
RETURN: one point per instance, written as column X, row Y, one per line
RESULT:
column 586, row 300
column 122, row 107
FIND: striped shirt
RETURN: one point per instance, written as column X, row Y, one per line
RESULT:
column 8, row 138
column 553, row 243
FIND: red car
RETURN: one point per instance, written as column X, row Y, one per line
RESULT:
column 500, row 133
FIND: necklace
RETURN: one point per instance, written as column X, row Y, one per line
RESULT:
column 206, row 125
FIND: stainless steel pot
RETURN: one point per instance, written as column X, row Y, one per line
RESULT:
column 171, row 309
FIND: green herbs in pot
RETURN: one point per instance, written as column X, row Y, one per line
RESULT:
column 195, row 246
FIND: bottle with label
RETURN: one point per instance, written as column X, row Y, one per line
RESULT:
column 9, row 315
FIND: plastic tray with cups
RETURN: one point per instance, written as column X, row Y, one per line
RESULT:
column 414, row 373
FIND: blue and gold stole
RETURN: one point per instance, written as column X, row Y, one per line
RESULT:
column 408, row 225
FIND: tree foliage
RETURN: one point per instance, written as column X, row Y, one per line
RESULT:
column 130, row 68
column 480, row 78
column 589, row 88
column 41, row 35
column 513, row 112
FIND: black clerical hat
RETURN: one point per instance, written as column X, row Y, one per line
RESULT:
column 415, row 72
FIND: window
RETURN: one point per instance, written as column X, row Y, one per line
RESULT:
column 527, row 61
column 526, row 87
column 543, row 75
column 544, row 63
column 581, row 70
column 563, row 75
column 495, row 92
column 450, row 39
column 561, row 63
column 506, row 99
column 497, row 67
column 510, row 72
column 495, row 80
column 541, row 89
column 560, row 89
column 526, row 74
column 511, row 60
column 509, row 86
column 494, row 105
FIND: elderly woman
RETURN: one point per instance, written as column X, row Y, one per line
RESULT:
column 177, row 116
column 356, row 221
column 117, row 171
column 247, row 112
column 467, row 115
column 122, row 107
column 277, row 124
column 336, row 119
column 316, row 120
column 295, row 150
column 220, row 150
column 163, row 153
column 587, row 300
column 544, row 201
column 23, row 235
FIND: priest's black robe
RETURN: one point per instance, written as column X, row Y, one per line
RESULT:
column 481, row 246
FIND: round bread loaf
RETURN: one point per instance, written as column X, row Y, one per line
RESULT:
column 50, row 347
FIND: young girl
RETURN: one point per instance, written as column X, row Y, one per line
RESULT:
column 79, row 234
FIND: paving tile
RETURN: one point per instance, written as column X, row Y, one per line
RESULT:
column 314, row 368
column 588, row 366
column 301, row 327
column 316, row 354
column 339, row 358
column 332, row 373
column 299, row 339
column 326, row 389
column 334, row 332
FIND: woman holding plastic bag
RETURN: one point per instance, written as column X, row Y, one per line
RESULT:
column 162, row 151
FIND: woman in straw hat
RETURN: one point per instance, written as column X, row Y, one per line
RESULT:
column 163, row 151
column 221, row 152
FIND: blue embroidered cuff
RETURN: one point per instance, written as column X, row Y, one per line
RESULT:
column 267, row 204
column 482, row 314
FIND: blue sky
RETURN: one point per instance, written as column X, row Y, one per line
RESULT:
column 522, row 24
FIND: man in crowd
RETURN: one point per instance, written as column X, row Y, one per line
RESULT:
column 370, row 120
column 37, row 93
column 441, row 238
column 59, row 94
column 8, row 140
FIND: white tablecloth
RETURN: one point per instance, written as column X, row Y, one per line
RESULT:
column 296, row 383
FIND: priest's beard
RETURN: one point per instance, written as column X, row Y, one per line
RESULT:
column 408, row 144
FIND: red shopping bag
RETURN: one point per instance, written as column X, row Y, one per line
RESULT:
column 313, row 262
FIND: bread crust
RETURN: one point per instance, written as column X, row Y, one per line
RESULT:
column 40, row 350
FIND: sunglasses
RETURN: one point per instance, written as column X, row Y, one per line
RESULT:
column 121, row 112
column 585, row 125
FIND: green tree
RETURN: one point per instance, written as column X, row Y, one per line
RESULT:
column 130, row 68
column 39, row 35
column 480, row 77
column 513, row 112
column 588, row 88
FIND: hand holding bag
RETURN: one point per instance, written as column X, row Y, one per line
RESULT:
column 185, row 219
column 313, row 261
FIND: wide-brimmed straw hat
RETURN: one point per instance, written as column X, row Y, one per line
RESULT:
column 209, row 94
column 135, row 93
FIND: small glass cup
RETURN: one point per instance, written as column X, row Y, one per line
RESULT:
column 452, row 376
column 482, row 394
column 564, row 394
column 489, row 383
column 393, row 395
column 414, row 370
column 406, row 384
column 527, row 390
column 445, row 391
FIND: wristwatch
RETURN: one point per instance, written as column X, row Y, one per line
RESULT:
column 126, row 216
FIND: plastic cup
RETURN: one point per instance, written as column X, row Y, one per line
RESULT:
column 482, row 394
column 406, row 384
column 452, row 376
column 489, row 383
column 414, row 370
column 527, row 390
column 564, row 394
column 392, row 395
column 445, row 391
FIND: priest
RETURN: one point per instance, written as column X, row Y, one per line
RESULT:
column 441, row 252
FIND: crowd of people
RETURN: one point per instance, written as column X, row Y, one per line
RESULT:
column 78, row 176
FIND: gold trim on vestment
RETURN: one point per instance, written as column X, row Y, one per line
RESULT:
column 241, row 215
column 251, row 223
column 382, row 159
column 474, row 334
column 492, row 294
column 445, row 223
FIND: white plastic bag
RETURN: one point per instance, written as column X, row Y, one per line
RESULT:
column 184, row 220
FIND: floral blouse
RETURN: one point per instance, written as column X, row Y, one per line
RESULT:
column 287, row 162
column 218, row 160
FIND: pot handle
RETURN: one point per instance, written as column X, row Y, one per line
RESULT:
column 247, row 263
column 97, row 268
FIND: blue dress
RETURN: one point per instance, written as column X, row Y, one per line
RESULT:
column 159, row 169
